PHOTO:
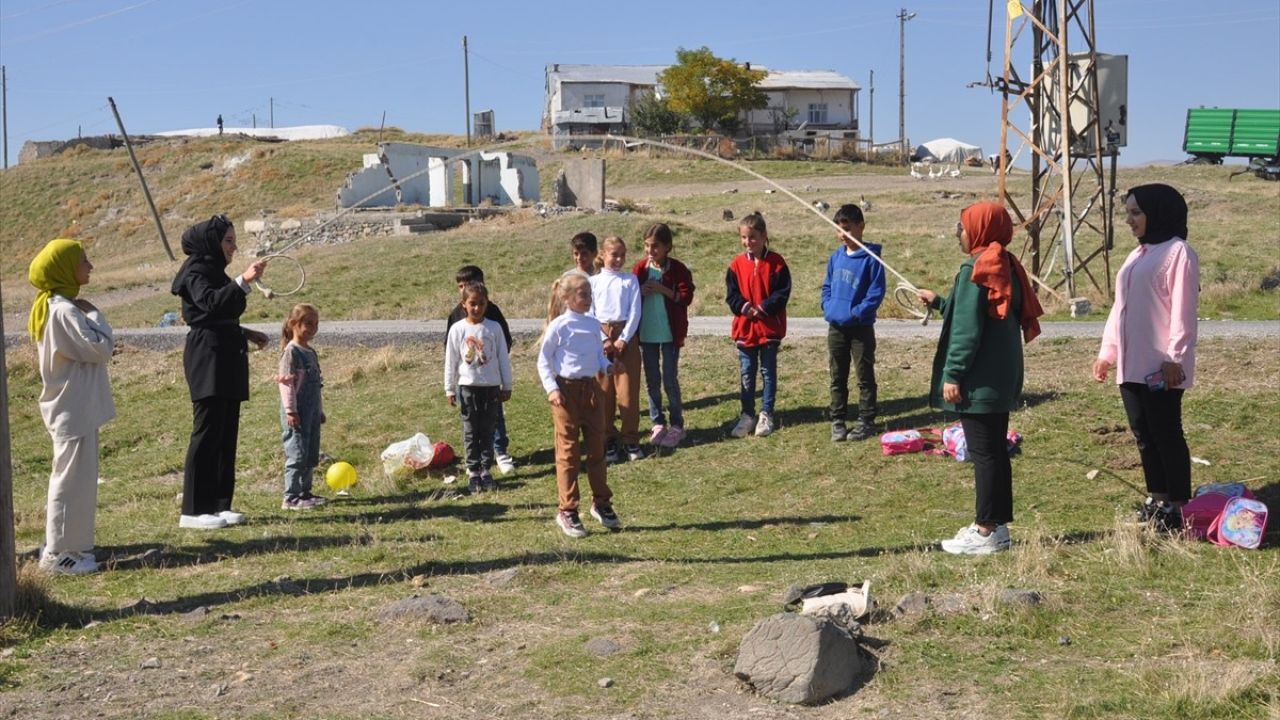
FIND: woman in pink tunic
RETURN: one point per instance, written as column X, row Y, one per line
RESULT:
column 1150, row 339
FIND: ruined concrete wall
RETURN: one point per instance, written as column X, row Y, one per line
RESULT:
column 501, row 178
column 583, row 184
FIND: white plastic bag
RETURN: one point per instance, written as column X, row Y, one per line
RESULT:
column 401, row 459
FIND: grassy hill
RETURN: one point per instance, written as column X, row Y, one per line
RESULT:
column 93, row 195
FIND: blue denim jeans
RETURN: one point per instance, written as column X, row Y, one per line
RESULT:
column 762, row 359
column 500, row 440
column 656, row 378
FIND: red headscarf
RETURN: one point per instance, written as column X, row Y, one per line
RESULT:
column 989, row 229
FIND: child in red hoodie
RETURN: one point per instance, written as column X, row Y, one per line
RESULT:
column 758, row 286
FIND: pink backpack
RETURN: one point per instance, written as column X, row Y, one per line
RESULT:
column 1226, row 514
column 901, row 442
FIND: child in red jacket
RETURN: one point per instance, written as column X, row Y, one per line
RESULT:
column 758, row 285
column 666, row 289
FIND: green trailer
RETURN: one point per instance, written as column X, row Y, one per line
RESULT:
column 1213, row 134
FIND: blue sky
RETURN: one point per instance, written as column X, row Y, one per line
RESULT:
column 173, row 64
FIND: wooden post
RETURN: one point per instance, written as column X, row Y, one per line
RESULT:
column 138, row 168
column 8, row 546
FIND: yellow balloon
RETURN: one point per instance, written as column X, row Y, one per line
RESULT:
column 340, row 476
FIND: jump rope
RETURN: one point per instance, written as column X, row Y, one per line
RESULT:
column 905, row 293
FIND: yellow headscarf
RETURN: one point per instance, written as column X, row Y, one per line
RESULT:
column 53, row 271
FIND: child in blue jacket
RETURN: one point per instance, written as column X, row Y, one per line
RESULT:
column 851, row 294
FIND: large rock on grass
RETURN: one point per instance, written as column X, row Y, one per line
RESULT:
column 798, row 658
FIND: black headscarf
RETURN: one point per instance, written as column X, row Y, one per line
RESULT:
column 1166, row 212
column 202, row 244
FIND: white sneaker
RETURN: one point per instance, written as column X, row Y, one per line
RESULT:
column 969, row 541
column 68, row 563
column 232, row 517
column 505, row 463
column 202, row 522
column 746, row 425
column 764, row 426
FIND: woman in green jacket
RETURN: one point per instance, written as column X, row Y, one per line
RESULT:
column 977, row 370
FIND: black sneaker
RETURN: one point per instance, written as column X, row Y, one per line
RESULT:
column 613, row 454
column 1146, row 512
column 605, row 514
column 487, row 483
column 474, row 486
column 1167, row 519
column 839, row 433
column 863, row 430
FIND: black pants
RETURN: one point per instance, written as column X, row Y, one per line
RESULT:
column 209, row 478
column 480, row 407
column 852, row 345
column 986, row 437
column 1155, row 417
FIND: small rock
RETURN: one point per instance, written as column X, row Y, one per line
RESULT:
column 241, row 678
column 821, row 205
column 1092, row 475
column 196, row 615
column 951, row 604
column 432, row 608
column 605, row 683
column 141, row 606
column 1063, row 640
column 150, row 664
column 714, row 627
column 749, row 588
column 285, row 584
column 730, row 191
column 602, row 646
column 727, row 214
column 1012, row 596
column 419, row 581
column 912, row 603
column 641, row 592
column 503, row 577
column 216, row 691
column 770, row 191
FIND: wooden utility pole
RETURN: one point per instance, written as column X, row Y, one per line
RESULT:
column 903, row 17
column 138, row 168
column 466, row 83
column 871, row 113
column 4, row 110
column 8, row 546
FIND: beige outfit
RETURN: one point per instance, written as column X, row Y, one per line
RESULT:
column 74, row 402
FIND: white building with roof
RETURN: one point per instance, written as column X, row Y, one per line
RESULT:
column 596, row 99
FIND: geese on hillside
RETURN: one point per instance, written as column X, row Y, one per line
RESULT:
column 865, row 204
column 915, row 171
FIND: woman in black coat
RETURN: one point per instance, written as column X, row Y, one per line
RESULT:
column 216, row 363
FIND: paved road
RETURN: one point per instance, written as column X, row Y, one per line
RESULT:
column 376, row 333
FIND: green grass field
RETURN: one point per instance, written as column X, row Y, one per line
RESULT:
column 714, row 534
column 1153, row 627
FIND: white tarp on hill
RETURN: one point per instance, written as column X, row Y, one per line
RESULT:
column 948, row 150
column 298, row 132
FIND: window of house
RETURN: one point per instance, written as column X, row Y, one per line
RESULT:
column 818, row 113
column 593, row 100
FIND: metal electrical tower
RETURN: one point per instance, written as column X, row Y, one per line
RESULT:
column 1070, row 133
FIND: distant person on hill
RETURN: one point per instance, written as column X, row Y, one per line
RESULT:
column 219, row 124
column 301, row 406
column 757, row 288
column 851, row 295
column 978, row 370
column 215, row 361
column 1150, row 338
column 466, row 275
column 74, row 345
column 666, row 290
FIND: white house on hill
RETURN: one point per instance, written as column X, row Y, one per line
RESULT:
column 596, row 99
